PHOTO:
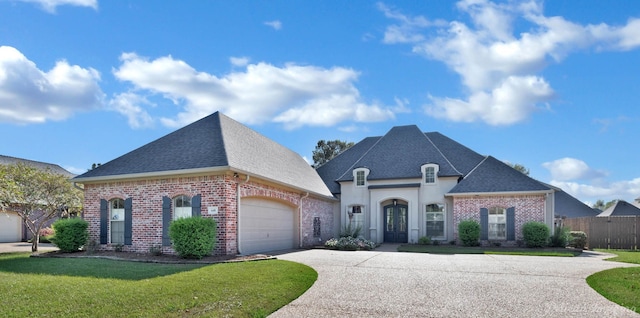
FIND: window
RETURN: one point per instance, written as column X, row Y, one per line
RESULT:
column 360, row 178
column 356, row 217
column 182, row 207
column 116, row 215
column 435, row 221
column 430, row 175
column 497, row 223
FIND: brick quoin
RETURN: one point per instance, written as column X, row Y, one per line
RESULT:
column 527, row 208
column 216, row 191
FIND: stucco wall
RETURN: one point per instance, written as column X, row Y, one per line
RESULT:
column 216, row 190
column 527, row 208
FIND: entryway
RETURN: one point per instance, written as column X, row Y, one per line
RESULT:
column 395, row 223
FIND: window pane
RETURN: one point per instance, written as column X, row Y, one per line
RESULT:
column 182, row 213
column 435, row 224
column 429, row 175
column 360, row 178
column 402, row 220
column 117, row 232
column 390, row 219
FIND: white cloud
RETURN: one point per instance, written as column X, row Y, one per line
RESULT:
column 51, row 5
column 496, row 65
column 293, row 95
column 130, row 105
column 239, row 61
column 566, row 169
column 29, row 95
column 275, row 24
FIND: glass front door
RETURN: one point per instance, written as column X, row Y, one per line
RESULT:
column 395, row 223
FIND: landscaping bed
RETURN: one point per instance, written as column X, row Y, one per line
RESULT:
column 150, row 258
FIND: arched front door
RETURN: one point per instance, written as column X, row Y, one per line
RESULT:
column 395, row 223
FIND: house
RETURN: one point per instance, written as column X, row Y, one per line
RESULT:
column 621, row 208
column 12, row 229
column 408, row 184
column 263, row 196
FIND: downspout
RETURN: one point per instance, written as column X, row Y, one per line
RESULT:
column 238, row 212
column 300, row 219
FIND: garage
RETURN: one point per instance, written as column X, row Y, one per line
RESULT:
column 266, row 225
column 10, row 227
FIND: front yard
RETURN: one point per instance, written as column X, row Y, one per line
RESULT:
column 456, row 249
column 620, row 285
column 83, row 287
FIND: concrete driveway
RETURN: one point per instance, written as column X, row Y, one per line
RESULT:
column 25, row 247
column 393, row 284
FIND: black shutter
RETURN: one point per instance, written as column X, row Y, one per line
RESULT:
column 128, row 221
column 195, row 205
column 484, row 224
column 511, row 224
column 104, row 221
column 166, row 220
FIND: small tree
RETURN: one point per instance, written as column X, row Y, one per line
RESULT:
column 37, row 196
column 469, row 232
column 193, row 237
column 70, row 234
column 535, row 234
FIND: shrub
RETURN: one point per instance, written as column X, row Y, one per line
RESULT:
column 469, row 232
column 349, row 244
column 193, row 237
column 535, row 234
column 577, row 239
column 560, row 237
column 350, row 231
column 424, row 240
column 71, row 234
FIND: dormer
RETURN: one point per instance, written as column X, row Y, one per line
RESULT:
column 430, row 173
column 360, row 177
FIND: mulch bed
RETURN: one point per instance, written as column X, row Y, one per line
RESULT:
column 150, row 258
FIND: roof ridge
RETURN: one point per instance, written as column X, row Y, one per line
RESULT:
column 440, row 152
column 478, row 165
column 363, row 155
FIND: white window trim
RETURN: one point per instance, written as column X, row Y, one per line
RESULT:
column 436, row 169
column 444, row 221
column 115, row 218
column 355, row 177
column 504, row 218
column 175, row 215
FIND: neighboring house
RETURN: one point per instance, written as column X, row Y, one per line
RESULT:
column 263, row 196
column 408, row 184
column 12, row 229
column 621, row 208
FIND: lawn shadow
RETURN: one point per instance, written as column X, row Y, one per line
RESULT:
column 21, row 263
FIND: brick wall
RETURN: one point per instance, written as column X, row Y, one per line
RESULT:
column 527, row 208
column 216, row 190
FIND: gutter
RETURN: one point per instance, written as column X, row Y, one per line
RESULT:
column 300, row 220
column 240, row 183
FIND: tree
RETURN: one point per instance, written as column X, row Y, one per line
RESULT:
column 520, row 168
column 601, row 205
column 327, row 150
column 37, row 196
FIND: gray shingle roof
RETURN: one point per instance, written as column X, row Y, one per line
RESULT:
column 570, row 207
column 43, row 166
column 621, row 208
column 493, row 175
column 215, row 141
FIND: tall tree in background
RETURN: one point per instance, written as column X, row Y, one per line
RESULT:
column 37, row 196
column 520, row 168
column 601, row 205
column 327, row 150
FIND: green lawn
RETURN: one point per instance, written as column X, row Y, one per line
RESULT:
column 620, row 285
column 83, row 287
column 455, row 249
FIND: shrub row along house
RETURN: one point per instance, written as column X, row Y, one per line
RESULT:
column 397, row 187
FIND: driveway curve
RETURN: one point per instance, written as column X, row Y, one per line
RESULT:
column 393, row 284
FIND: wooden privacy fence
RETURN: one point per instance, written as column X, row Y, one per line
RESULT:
column 616, row 232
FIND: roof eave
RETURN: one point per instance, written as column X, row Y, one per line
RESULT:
column 469, row 194
column 331, row 197
column 153, row 174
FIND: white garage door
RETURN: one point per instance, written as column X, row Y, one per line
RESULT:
column 10, row 227
column 266, row 226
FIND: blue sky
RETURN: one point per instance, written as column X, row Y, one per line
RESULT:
column 553, row 86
